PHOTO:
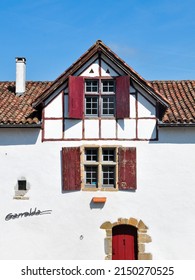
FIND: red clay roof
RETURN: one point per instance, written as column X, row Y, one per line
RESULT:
column 19, row 110
column 181, row 97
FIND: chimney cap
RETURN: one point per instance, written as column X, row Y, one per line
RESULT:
column 21, row 59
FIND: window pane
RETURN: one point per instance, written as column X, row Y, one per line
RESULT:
column 88, row 112
column 91, row 154
column 105, row 105
column 108, row 104
column 91, row 86
column 108, row 154
column 91, row 105
column 91, row 179
column 108, row 174
column 108, row 86
column 94, row 112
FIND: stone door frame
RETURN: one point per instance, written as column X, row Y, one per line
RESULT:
column 142, row 237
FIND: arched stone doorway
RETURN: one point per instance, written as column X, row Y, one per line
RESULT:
column 139, row 237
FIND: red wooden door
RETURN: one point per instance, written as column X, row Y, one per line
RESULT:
column 124, row 242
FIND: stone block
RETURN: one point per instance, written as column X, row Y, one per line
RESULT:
column 106, row 225
column 133, row 222
column 144, row 238
column 108, row 232
column 141, row 248
column 145, row 256
column 142, row 226
column 108, row 245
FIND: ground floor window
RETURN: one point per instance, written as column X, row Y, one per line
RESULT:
column 100, row 167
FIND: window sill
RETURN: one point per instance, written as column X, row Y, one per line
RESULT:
column 100, row 189
column 103, row 117
column 20, row 197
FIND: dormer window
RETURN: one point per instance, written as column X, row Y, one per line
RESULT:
column 98, row 97
column 99, row 100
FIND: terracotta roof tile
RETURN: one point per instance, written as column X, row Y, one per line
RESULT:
column 18, row 109
column 181, row 97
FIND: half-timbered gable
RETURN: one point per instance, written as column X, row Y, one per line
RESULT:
column 102, row 98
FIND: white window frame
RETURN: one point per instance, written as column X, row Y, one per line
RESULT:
column 100, row 94
column 91, row 108
column 108, row 104
column 109, row 86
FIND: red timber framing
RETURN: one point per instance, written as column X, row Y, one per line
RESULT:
column 76, row 110
column 124, row 75
column 63, row 138
column 53, row 118
column 136, row 118
column 73, row 171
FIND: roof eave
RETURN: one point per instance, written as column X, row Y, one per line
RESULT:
column 160, row 124
column 20, row 125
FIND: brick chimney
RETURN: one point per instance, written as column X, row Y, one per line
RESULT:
column 20, row 75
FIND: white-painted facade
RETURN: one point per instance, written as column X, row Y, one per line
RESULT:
column 164, row 199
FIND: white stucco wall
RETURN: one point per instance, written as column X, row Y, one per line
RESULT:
column 54, row 109
column 164, row 200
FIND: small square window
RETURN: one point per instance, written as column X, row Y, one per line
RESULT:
column 22, row 185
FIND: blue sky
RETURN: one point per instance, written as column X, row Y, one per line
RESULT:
column 155, row 37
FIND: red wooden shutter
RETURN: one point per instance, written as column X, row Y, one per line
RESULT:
column 75, row 97
column 127, row 168
column 71, row 169
column 122, row 97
